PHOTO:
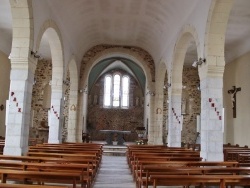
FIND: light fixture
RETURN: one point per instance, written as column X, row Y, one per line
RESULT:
column 150, row 93
column 84, row 90
column 166, row 86
column 34, row 54
column 199, row 62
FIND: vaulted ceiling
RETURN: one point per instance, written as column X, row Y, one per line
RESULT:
column 150, row 24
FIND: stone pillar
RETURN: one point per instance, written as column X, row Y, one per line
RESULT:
column 151, row 125
column 175, row 121
column 55, row 112
column 17, row 128
column 211, row 119
column 158, row 116
column 72, row 116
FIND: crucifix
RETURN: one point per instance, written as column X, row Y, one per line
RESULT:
column 233, row 92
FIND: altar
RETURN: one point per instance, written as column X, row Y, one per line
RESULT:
column 110, row 136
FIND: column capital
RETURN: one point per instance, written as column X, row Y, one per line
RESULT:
column 211, row 71
column 24, row 64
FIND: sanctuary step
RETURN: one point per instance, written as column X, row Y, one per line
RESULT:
column 114, row 150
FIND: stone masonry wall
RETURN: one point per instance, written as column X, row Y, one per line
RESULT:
column 100, row 118
column 41, row 102
column 191, row 96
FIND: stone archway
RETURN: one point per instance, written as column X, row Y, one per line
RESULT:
column 98, row 53
column 187, row 34
column 211, row 77
column 52, row 33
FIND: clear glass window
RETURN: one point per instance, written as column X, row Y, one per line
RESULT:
column 116, row 91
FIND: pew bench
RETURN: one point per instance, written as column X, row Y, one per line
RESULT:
column 5, row 185
column 45, row 177
column 148, row 170
column 197, row 180
column 84, row 169
column 138, row 168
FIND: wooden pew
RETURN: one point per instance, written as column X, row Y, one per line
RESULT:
column 4, row 185
column 84, row 169
column 92, row 165
column 147, row 170
column 197, row 180
column 46, row 177
column 138, row 168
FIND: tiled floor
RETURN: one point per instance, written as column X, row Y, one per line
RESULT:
column 114, row 173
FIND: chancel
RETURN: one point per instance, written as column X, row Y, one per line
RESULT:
column 110, row 134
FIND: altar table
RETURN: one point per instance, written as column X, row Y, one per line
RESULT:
column 110, row 134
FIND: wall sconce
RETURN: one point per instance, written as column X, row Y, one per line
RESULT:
column 166, row 86
column 1, row 107
column 34, row 54
column 85, row 89
column 199, row 62
column 198, row 87
column 34, row 81
column 150, row 93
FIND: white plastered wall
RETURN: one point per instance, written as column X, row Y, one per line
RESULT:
column 4, row 88
column 237, row 73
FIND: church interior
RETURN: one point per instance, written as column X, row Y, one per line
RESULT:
column 150, row 72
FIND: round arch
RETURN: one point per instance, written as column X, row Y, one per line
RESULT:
column 52, row 33
column 187, row 34
column 107, row 54
column 215, row 38
column 117, row 52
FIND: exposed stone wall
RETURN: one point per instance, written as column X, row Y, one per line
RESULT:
column 41, row 101
column 100, row 118
column 191, row 99
column 165, row 110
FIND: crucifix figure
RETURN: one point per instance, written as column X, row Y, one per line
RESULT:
column 233, row 92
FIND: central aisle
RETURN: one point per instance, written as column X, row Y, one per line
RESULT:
column 114, row 173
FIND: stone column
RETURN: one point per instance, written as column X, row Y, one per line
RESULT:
column 158, row 117
column 55, row 113
column 17, row 128
column 175, row 121
column 151, row 120
column 72, row 116
column 211, row 119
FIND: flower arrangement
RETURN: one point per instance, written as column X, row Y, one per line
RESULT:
column 139, row 142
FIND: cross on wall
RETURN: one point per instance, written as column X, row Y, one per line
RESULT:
column 233, row 93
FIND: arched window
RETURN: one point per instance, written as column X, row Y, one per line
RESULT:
column 125, row 91
column 116, row 91
column 107, row 90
